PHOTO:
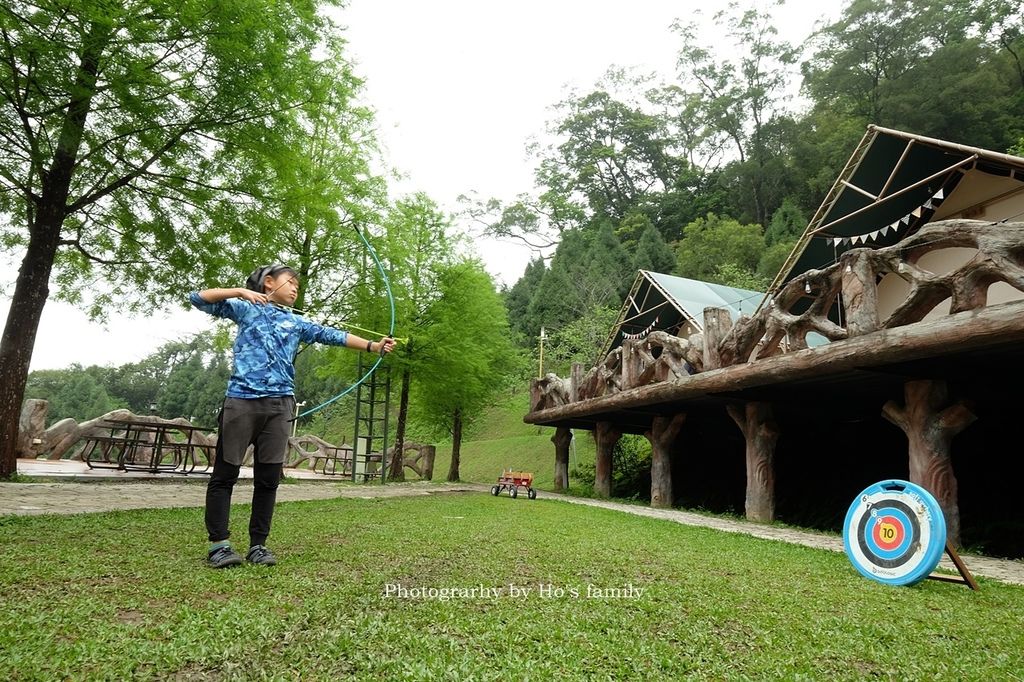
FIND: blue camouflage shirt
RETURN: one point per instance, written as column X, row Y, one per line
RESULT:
column 268, row 339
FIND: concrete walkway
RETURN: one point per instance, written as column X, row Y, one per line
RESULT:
column 75, row 497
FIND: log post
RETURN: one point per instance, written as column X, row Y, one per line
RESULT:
column 575, row 381
column 860, row 296
column 661, row 436
column 930, row 426
column 31, row 427
column 757, row 422
column 630, row 364
column 562, row 439
column 717, row 324
column 607, row 435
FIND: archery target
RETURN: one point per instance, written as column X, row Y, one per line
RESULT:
column 895, row 533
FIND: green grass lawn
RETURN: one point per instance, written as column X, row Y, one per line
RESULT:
column 500, row 439
column 125, row 595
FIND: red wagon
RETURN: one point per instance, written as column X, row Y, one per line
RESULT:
column 512, row 481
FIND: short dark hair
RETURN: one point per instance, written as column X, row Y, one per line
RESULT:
column 255, row 280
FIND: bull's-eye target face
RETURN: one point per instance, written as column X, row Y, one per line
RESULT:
column 895, row 533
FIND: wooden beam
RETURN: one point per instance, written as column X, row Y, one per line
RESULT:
column 971, row 330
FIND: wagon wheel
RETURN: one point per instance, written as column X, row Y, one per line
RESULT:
column 531, row 493
column 513, row 492
column 495, row 490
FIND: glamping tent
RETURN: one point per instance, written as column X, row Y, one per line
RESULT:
column 659, row 302
column 894, row 184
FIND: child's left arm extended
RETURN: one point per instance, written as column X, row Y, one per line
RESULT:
column 335, row 337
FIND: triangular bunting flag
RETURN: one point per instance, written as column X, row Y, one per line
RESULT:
column 929, row 205
column 885, row 230
column 939, row 195
column 874, row 235
column 905, row 219
column 916, row 212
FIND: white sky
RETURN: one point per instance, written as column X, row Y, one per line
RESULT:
column 459, row 87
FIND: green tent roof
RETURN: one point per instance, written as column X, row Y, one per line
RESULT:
column 664, row 302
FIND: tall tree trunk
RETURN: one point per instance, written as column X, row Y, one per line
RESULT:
column 453, row 470
column 46, row 214
column 397, row 468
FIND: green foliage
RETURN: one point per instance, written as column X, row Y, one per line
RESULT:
column 652, row 253
column 771, row 262
column 464, row 348
column 787, row 225
column 714, row 242
column 579, row 341
column 631, row 469
column 517, row 302
column 588, row 270
column 733, row 275
column 74, row 392
column 951, row 71
column 180, row 379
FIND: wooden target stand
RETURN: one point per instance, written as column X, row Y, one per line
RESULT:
column 965, row 575
column 895, row 534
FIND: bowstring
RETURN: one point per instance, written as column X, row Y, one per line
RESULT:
column 391, row 333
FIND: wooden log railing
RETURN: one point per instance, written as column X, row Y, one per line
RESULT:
column 802, row 306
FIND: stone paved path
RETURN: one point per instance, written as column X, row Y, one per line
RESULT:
column 82, row 497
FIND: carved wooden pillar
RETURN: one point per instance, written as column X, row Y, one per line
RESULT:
column 562, row 439
column 663, row 433
column 860, row 296
column 717, row 324
column 930, row 426
column 607, row 435
column 757, row 423
column 575, row 381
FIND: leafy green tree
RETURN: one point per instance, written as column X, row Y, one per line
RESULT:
column 742, row 99
column 948, row 70
column 771, row 262
column 579, row 341
column 517, row 301
column 176, row 399
column 787, row 225
column 559, row 297
column 419, row 248
column 136, row 139
column 712, row 242
column 615, row 152
column 465, row 353
column 652, row 253
column 73, row 393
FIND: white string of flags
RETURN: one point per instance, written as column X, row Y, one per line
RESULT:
column 895, row 227
column 644, row 333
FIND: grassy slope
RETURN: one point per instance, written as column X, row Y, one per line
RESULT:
column 500, row 439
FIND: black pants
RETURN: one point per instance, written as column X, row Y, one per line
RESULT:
column 262, row 422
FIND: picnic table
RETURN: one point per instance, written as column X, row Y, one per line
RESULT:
column 147, row 445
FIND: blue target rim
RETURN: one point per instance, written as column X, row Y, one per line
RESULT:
column 854, row 525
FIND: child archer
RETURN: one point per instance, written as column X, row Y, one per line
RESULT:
column 260, row 399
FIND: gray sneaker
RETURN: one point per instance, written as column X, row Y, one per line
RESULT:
column 258, row 554
column 223, row 557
